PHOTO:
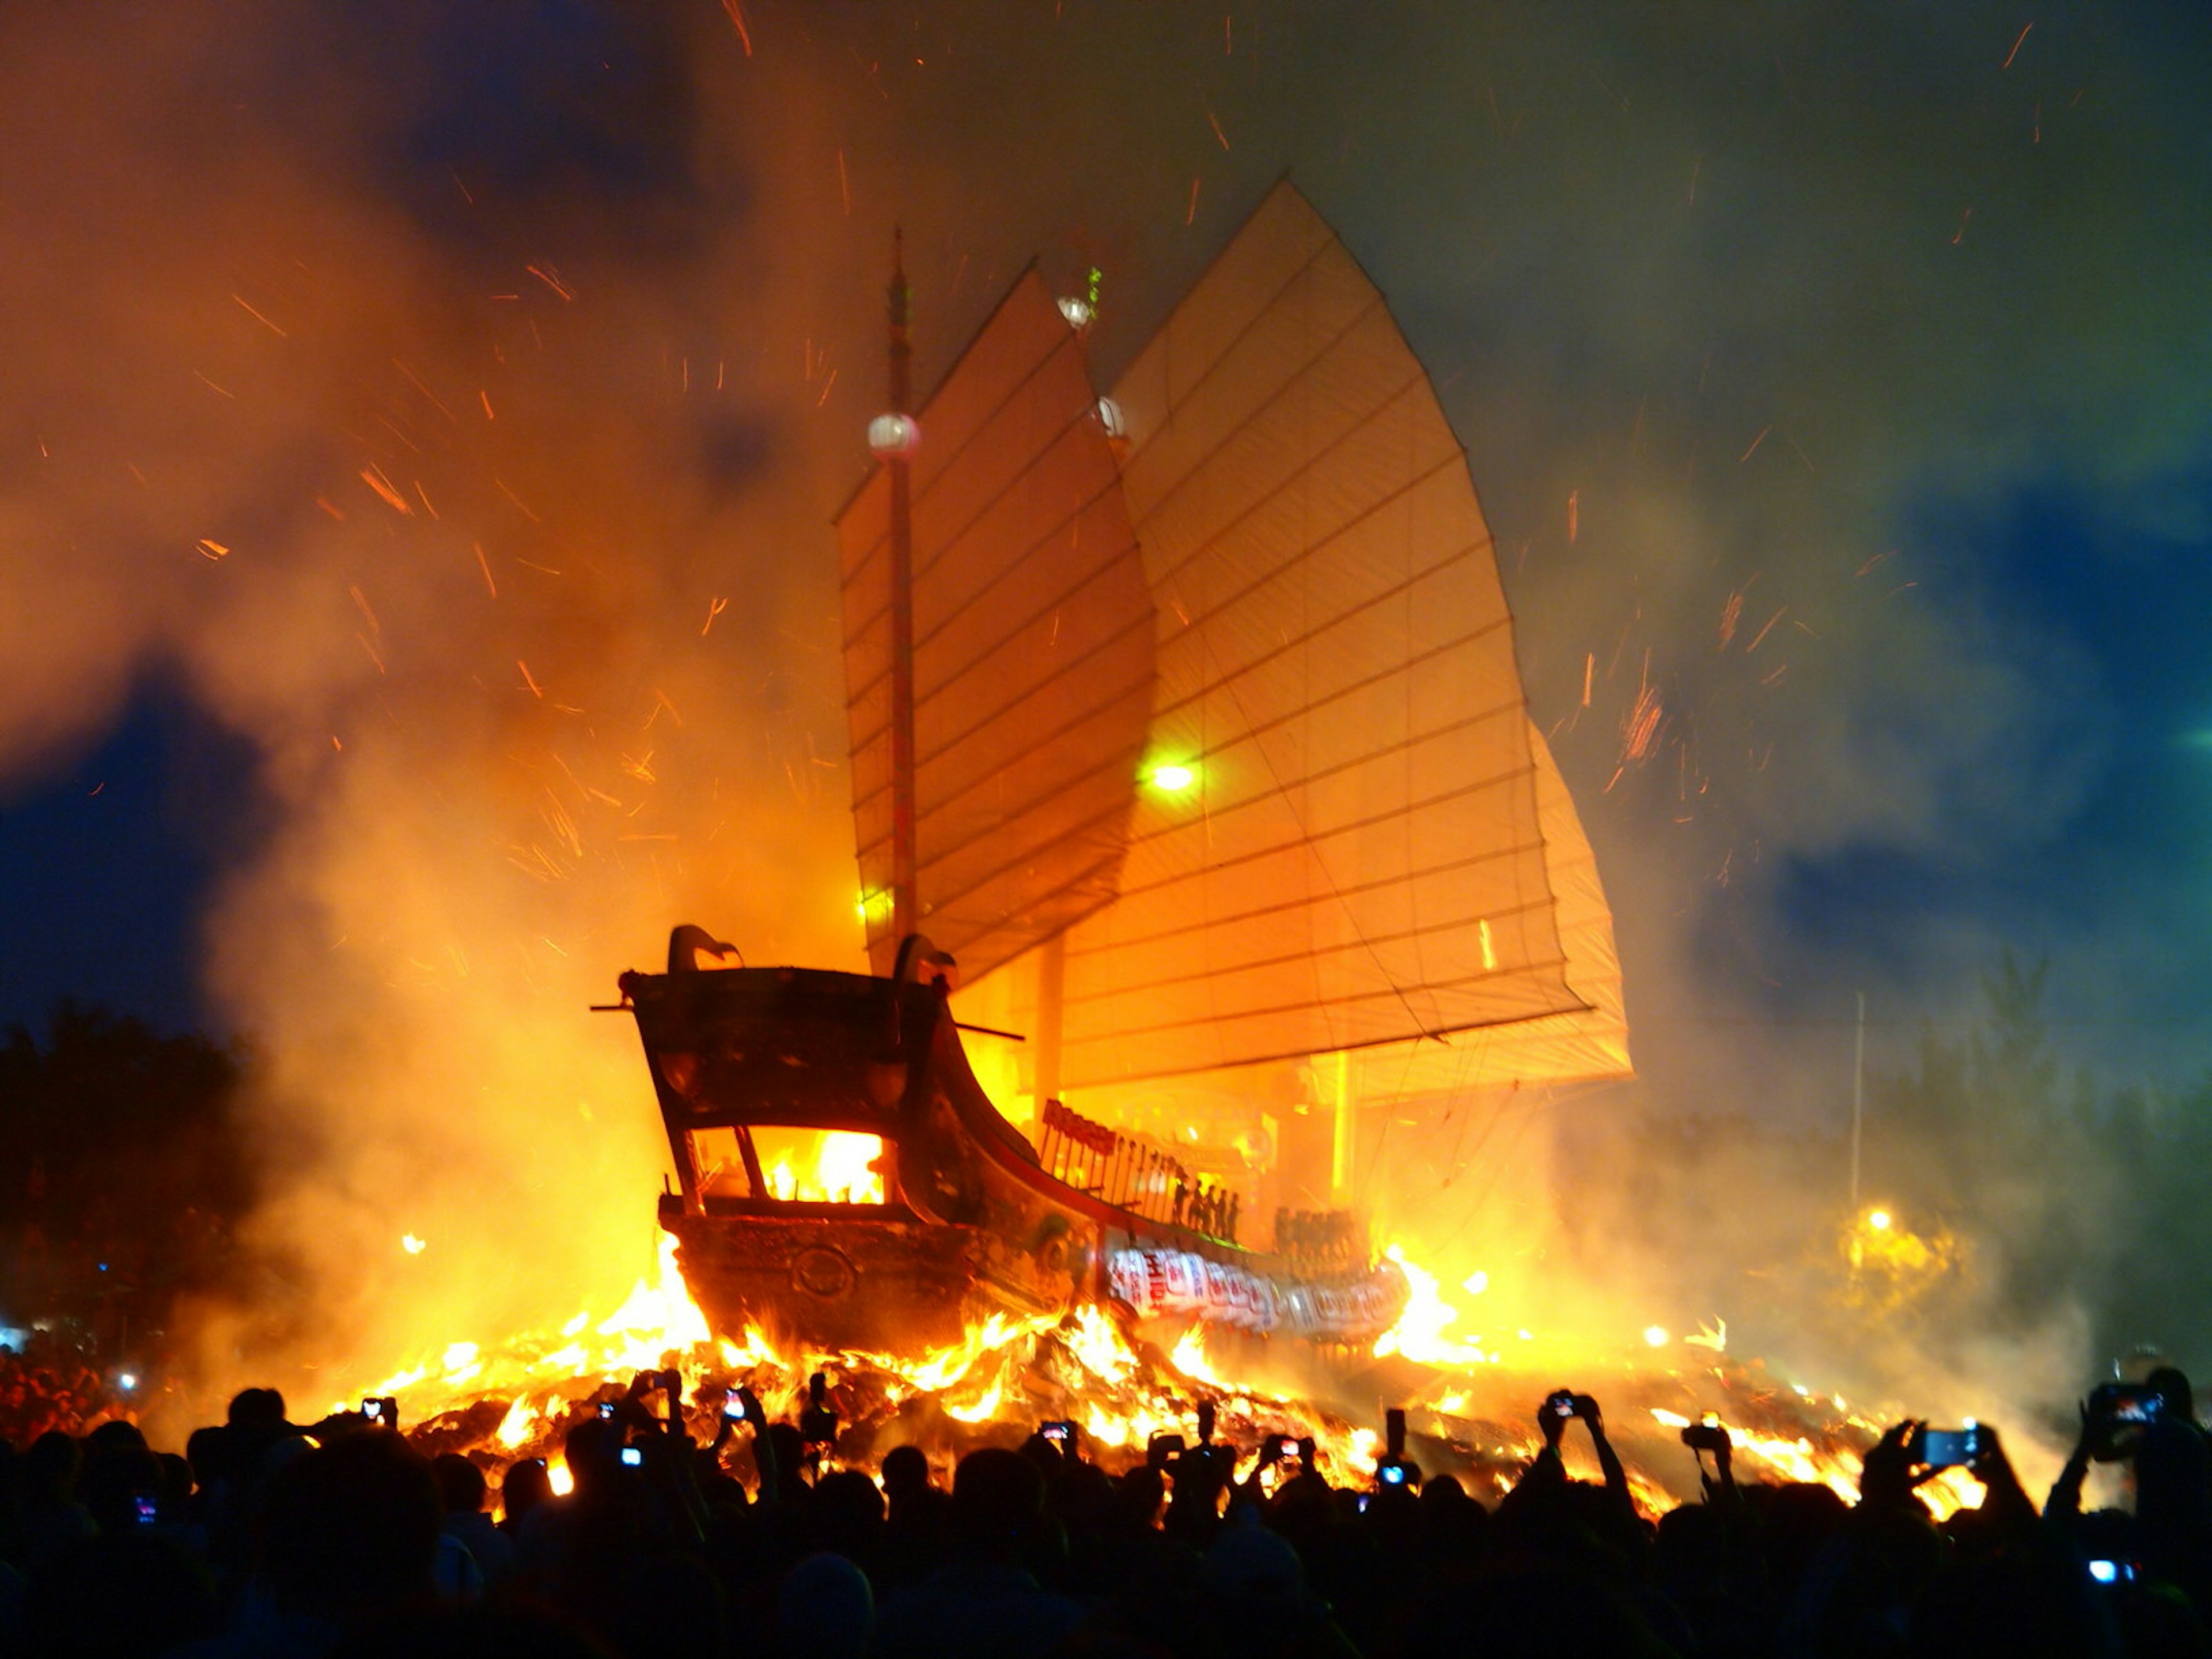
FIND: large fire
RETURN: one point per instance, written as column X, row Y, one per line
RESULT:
column 1469, row 1403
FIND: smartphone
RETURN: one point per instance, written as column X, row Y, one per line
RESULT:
column 2118, row 1413
column 2112, row 1573
column 734, row 1408
column 606, row 1408
column 632, row 1456
column 1945, row 1449
column 372, row 1410
column 148, row 1510
column 1390, row 1472
column 1162, row 1451
column 1061, row 1433
column 2126, row 1402
column 1561, row 1402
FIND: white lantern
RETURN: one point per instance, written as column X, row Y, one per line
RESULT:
column 1109, row 416
column 894, row 435
column 1078, row 311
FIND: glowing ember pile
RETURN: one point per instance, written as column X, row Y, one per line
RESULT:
column 1471, row 1412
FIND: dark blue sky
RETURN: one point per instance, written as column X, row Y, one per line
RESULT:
column 110, row 859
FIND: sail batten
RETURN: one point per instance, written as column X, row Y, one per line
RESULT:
column 1488, row 854
column 1373, row 942
column 1043, row 742
column 980, row 597
column 1352, row 689
column 1320, row 548
column 1372, row 315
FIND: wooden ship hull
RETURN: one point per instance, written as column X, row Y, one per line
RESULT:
column 954, row 1216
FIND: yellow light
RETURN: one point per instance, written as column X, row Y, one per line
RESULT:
column 1172, row 778
column 411, row 1244
column 1878, row 1219
column 1656, row 1335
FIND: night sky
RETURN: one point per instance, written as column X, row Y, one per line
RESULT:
column 422, row 424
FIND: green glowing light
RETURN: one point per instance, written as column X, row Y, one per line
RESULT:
column 1173, row 778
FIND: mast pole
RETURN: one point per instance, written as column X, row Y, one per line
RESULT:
column 1858, row 1099
column 906, row 911
column 1052, row 983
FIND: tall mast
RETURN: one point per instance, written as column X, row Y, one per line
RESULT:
column 906, row 910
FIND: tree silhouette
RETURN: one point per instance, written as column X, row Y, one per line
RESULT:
column 121, row 1169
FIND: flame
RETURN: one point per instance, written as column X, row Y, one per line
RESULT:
column 515, row 1429
column 1010, row 1367
column 1420, row 1333
column 1097, row 1346
column 657, row 1316
column 1189, row 1357
column 828, row 1166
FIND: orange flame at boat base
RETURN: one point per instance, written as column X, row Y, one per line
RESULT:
column 1007, row 1373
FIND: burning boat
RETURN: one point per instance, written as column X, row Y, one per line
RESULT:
column 1188, row 738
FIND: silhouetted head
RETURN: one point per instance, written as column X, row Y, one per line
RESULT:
column 2174, row 1392
column 1045, row 1454
column 260, row 1408
column 460, row 1483
column 208, row 1451
column 906, row 1472
column 1248, row 1568
column 1138, row 1497
column 113, row 1435
column 593, row 1449
column 998, row 1498
column 352, row 1528
column 524, row 1487
column 826, row 1610
column 50, row 1467
column 790, row 1449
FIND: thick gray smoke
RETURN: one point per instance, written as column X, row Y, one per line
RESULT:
column 452, row 400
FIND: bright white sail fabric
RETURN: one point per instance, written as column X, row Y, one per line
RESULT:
column 1359, row 857
column 1032, row 650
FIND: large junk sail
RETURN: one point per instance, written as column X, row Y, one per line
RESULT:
column 1361, row 857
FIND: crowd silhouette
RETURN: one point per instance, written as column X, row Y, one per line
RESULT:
column 269, row 1539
